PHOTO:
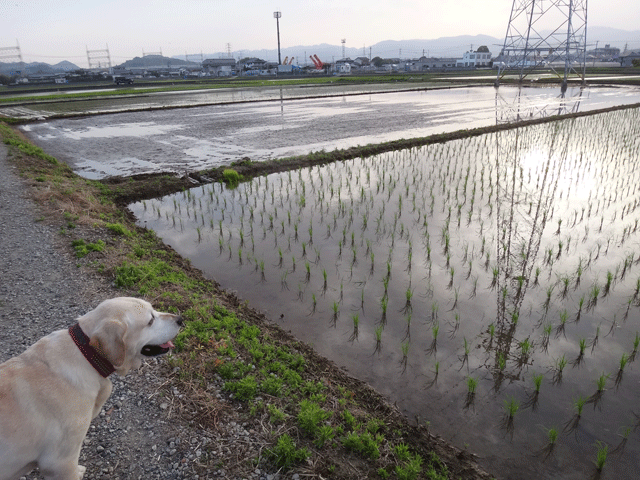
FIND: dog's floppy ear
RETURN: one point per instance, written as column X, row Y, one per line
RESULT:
column 109, row 342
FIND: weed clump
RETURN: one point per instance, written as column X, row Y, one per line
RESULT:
column 286, row 454
column 83, row 248
column 119, row 229
column 231, row 177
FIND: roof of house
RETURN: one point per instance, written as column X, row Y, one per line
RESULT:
column 218, row 62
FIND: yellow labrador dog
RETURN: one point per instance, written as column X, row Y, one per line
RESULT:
column 50, row 393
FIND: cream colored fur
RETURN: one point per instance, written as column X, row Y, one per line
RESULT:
column 50, row 393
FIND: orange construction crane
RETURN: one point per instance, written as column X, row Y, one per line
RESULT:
column 316, row 61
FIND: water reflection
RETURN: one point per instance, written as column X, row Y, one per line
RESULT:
column 523, row 207
column 286, row 126
column 526, row 103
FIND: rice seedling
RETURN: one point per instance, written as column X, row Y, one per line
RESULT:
column 593, row 296
column 335, row 313
column 434, row 311
column 572, row 424
column 560, row 363
column 601, row 382
column 494, row 279
column 607, row 285
column 472, row 386
column 405, row 352
column 407, row 305
column 623, row 363
column 408, row 332
column 525, row 350
column 501, row 361
column 601, row 455
column 636, row 343
column 492, row 331
column 547, row 301
column 560, row 329
column 511, row 407
column 356, row 321
column 537, row 381
column 594, row 342
column 434, row 342
column 378, row 335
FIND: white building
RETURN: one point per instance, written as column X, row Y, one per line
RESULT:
column 475, row 59
column 219, row 67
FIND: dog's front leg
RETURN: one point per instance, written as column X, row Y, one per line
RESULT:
column 69, row 472
column 103, row 394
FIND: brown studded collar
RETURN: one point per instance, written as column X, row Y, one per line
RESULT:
column 101, row 364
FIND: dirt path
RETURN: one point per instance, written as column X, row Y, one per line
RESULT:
column 137, row 435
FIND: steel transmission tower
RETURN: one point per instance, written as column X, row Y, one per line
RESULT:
column 96, row 58
column 545, row 33
column 12, row 55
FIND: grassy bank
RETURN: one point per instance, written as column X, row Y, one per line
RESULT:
column 314, row 418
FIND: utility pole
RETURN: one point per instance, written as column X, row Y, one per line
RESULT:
column 277, row 16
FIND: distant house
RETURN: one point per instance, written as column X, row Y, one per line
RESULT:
column 424, row 63
column 219, row 67
column 479, row 58
column 253, row 64
column 343, row 65
column 604, row 53
column 627, row 58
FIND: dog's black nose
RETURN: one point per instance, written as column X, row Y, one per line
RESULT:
column 179, row 321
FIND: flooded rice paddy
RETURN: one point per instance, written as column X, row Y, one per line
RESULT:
column 489, row 286
column 208, row 136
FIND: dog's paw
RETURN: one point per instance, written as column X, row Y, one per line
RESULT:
column 81, row 471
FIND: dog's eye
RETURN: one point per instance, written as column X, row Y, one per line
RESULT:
column 151, row 321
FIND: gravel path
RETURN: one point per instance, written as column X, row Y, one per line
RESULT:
column 42, row 290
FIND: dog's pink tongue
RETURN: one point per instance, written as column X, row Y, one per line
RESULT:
column 169, row 344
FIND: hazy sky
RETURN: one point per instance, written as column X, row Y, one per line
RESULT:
column 55, row 30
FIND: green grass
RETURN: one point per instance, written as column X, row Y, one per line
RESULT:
column 83, row 248
column 311, row 416
column 364, row 444
column 11, row 138
column 119, row 229
column 286, row 454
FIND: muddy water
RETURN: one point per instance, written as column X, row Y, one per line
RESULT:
column 202, row 137
column 476, row 259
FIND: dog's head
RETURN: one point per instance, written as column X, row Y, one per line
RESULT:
column 125, row 330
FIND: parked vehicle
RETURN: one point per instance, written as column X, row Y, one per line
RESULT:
column 121, row 80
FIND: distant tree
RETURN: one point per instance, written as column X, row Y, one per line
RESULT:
column 4, row 79
column 636, row 62
column 377, row 61
column 483, row 49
